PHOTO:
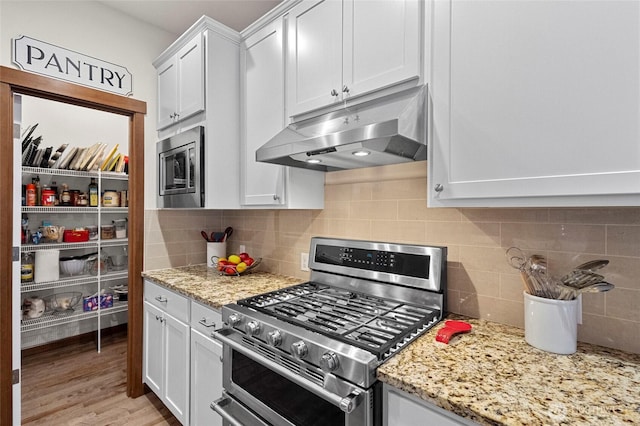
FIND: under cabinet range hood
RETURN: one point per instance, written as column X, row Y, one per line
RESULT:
column 387, row 130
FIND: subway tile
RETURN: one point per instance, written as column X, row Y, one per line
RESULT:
column 405, row 189
column 622, row 304
column 593, row 304
column 610, row 332
column 469, row 281
column 335, row 210
column 598, row 216
column 453, row 301
column 559, row 237
column 485, row 259
column 505, row 214
column 464, row 233
column 511, row 287
column 412, row 210
column 382, row 210
column 398, row 231
column 444, row 214
column 623, row 240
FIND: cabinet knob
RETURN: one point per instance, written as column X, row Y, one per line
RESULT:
column 275, row 197
column 161, row 299
column 334, row 92
column 345, row 89
column 438, row 187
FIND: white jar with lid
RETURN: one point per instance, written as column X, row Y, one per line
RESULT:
column 111, row 198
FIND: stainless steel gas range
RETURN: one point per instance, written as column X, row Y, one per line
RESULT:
column 307, row 354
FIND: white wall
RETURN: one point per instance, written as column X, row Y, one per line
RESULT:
column 96, row 30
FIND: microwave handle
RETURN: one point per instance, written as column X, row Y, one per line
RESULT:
column 346, row 404
column 218, row 406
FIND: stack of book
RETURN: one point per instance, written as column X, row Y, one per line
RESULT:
column 91, row 158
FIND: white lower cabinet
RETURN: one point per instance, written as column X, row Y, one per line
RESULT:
column 402, row 409
column 182, row 363
column 166, row 349
column 206, row 365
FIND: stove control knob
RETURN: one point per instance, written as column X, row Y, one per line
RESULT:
column 234, row 319
column 329, row 361
column 299, row 349
column 274, row 338
column 252, row 328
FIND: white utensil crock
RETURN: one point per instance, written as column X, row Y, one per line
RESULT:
column 552, row 325
column 214, row 252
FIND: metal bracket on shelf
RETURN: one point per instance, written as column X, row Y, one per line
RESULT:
column 16, row 254
column 15, row 377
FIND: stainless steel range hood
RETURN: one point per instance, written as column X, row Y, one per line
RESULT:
column 387, row 130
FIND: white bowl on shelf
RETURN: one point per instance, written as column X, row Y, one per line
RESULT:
column 72, row 266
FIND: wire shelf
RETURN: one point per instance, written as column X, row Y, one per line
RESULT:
column 60, row 209
column 79, row 173
column 73, row 281
column 53, row 319
column 72, row 246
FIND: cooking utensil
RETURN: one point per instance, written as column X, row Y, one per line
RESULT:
column 592, row 265
column 206, row 236
column 569, row 293
column 217, row 237
column 227, row 233
column 579, row 278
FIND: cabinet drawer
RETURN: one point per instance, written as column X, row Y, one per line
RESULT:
column 172, row 303
column 205, row 319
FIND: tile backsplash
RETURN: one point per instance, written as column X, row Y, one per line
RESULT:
column 389, row 204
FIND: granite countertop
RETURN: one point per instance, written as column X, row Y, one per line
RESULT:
column 206, row 285
column 492, row 376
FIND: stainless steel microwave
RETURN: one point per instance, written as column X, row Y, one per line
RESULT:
column 181, row 170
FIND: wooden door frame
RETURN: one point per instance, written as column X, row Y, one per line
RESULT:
column 12, row 82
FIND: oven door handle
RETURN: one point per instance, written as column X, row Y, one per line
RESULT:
column 218, row 406
column 346, row 404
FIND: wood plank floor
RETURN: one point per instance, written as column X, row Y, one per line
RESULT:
column 76, row 385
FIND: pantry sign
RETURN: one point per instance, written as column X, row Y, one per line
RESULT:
column 46, row 59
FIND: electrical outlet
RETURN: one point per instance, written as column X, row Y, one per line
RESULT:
column 243, row 248
column 304, row 262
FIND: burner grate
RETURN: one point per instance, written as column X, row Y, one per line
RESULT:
column 373, row 323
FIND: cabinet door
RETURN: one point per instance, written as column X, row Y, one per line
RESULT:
column 206, row 379
column 176, row 368
column 167, row 93
column 153, row 349
column 535, row 100
column 402, row 409
column 382, row 45
column 262, row 59
column 314, row 55
column 191, row 86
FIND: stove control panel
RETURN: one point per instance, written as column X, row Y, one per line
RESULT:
column 392, row 262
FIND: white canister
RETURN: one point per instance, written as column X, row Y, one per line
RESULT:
column 111, row 199
column 214, row 252
column 47, row 266
column 552, row 325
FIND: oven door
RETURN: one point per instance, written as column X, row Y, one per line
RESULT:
column 270, row 388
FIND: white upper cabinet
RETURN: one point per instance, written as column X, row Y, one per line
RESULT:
column 341, row 49
column 263, row 70
column 535, row 103
column 181, row 84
